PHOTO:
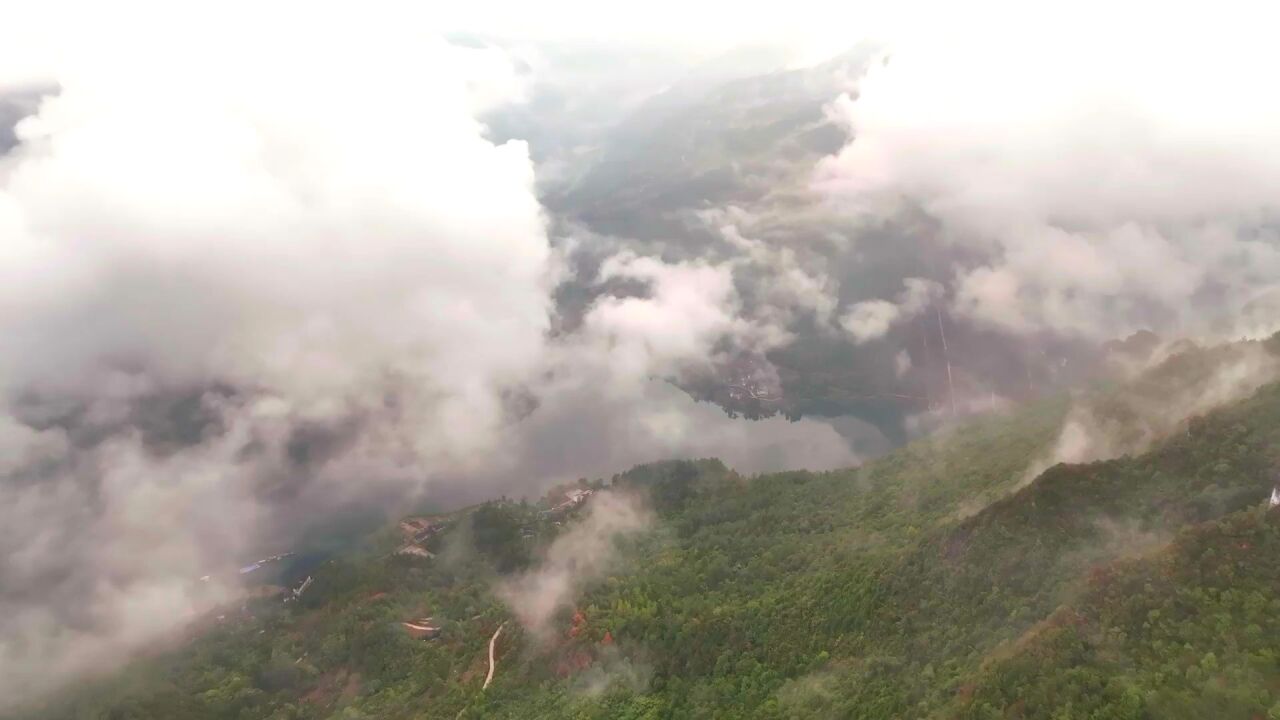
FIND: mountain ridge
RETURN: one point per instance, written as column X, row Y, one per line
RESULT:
column 868, row 592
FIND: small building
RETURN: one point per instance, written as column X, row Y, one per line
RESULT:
column 414, row 525
column 411, row 549
column 422, row 628
column 420, row 528
column 297, row 592
column 572, row 499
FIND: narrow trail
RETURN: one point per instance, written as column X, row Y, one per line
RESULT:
column 951, row 388
column 492, row 641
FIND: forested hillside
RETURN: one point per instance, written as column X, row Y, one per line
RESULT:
column 939, row 581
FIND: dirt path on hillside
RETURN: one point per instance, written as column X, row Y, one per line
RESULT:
column 492, row 666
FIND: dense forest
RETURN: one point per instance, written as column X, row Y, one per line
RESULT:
column 942, row 580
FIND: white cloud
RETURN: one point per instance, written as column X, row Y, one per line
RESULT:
column 580, row 555
column 788, row 283
column 872, row 319
column 319, row 230
column 901, row 363
column 690, row 306
column 1110, row 176
column 298, row 235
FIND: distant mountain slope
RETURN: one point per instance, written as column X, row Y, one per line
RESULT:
column 938, row 581
column 703, row 144
column 944, row 606
column 1188, row 632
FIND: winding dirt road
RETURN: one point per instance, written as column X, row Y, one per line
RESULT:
column 492, row 641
